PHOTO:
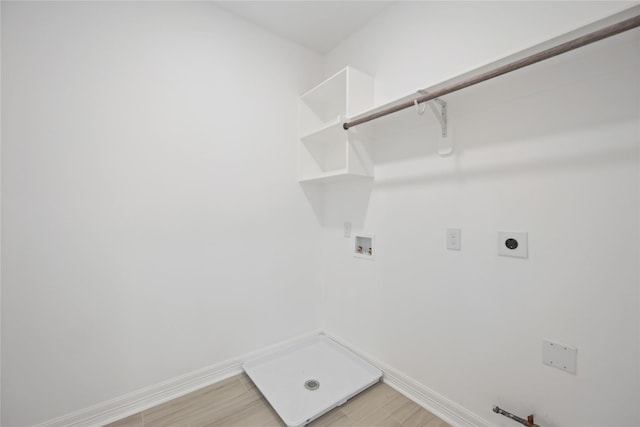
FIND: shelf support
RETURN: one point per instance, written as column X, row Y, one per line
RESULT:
column 441, row 115
column 439, row 109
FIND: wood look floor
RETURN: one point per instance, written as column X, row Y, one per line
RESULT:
column 237, row 402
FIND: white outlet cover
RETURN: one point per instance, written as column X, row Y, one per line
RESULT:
column 506, row 244
column 347, row 229
column 560, row 356
column 453, row 239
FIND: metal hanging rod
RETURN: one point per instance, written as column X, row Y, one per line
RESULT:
column 611, row 30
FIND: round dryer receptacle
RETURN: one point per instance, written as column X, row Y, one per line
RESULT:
column 511, row 243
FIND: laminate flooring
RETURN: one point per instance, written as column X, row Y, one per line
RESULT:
column 236, row 402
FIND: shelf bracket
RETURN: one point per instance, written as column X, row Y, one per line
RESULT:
column 441, row 113
column 439, row 109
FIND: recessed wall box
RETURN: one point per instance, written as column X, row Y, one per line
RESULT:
column 364, row 246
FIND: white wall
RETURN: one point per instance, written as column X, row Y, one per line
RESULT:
column 152, row 220
column 0, row 218
column 551, row 150
column 149, row 231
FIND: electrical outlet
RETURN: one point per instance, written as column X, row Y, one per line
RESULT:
column 513, row 244
column 453, row 239
column 347, row 229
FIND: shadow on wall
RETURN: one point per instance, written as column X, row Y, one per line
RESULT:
column 556, row 115
column 352, row 198
column 567, row 95
column 315, row 196
column 627, row 154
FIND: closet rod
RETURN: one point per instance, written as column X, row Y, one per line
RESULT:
column 611, row 30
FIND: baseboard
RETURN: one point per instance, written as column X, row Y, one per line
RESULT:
column 449, row 411
column 140, row 400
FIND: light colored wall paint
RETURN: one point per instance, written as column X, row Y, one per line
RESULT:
column 0, row 219
column 552, row 150
column 415, row 46
column 153, row 222
column 148, row 272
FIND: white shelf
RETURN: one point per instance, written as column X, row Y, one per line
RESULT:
column 335, row 176
column 329, row 99
column 331, row 132
column 327, row 152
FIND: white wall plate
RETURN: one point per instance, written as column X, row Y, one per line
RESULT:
column 559, row 356
column 453, row 239
column 513, row 244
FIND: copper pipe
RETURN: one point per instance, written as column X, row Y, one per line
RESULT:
column 528, row 422
column 603, row 33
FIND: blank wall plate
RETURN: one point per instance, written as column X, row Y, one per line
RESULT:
column 559, row 356
column 512, row 243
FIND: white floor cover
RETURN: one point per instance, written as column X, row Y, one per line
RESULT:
column 281, row 378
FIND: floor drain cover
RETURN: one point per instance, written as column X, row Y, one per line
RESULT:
column 312, row 384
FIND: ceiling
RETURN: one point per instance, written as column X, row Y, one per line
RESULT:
column 318, row 25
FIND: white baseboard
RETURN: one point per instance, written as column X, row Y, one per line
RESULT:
column 446, row 409
column 140, row 400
